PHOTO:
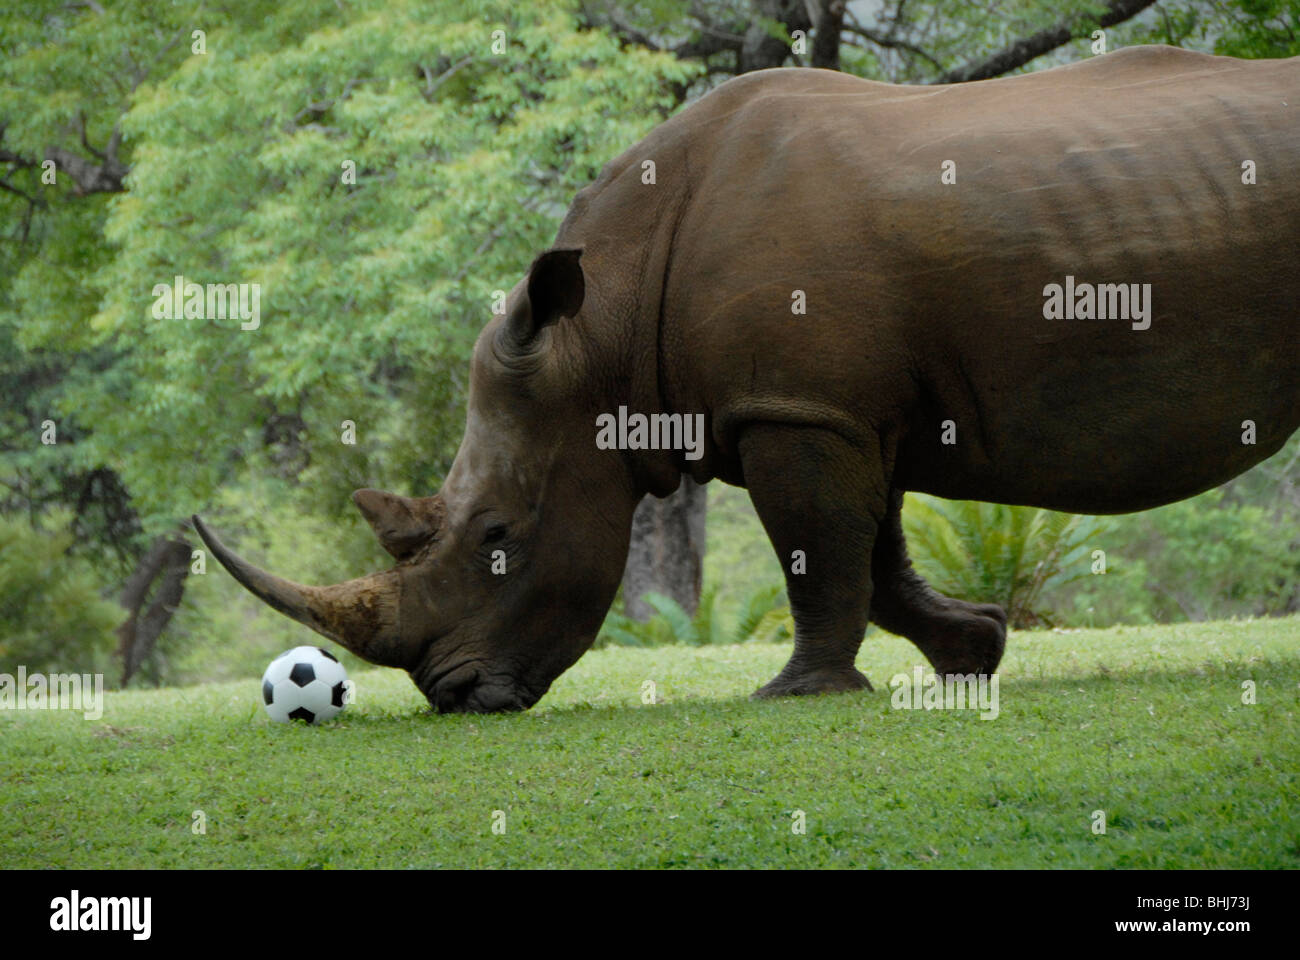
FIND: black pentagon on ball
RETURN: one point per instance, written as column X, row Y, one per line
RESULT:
column 328, row 654
column 302, row 674
column 337, row 694
column 268, row 692
column 302, row 713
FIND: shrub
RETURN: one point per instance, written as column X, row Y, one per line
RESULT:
column 52, row 614
column 761, row 618
column 994, row 553
column 1208, row 558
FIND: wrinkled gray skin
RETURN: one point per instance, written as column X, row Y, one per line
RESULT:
column 925, row 304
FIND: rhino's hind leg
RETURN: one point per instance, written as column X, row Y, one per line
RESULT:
column 821, row 501
column 955, row 636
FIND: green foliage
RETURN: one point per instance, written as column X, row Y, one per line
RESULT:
column 1245, row 28
column 1232, row 551
column 52, row 618
column 993, row 553
column 669, row 624
column 1201, row 559
column 762, row 617
column 463, row 160
column 372, row 292
column 240, row 160
column 739, row 561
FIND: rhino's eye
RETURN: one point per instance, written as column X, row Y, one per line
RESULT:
column 495, row 533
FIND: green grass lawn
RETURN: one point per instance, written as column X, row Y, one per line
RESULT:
column 1146, row 724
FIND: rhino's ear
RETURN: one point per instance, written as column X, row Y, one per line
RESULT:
column 402, row 524
column 556, row 288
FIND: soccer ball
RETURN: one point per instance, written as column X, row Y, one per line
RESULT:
column 306, row 683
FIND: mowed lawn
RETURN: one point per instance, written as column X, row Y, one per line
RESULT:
column 1145, row 724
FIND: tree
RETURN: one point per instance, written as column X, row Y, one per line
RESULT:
column 378, row 172
column 666, row 554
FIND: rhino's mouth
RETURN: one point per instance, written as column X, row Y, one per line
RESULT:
column 475, row 687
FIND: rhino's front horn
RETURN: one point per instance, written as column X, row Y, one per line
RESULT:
column 361, row 614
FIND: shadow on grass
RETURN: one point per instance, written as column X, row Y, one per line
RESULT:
column 1275, row 673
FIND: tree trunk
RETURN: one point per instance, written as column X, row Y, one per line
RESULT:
column 667, row 552
column 167, row 563
column 826, row 37
column 761, row 50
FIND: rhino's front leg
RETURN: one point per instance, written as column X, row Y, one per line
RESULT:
column 955, row 636
column 821, row 500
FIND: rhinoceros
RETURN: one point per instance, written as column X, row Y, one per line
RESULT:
column 1074, row 289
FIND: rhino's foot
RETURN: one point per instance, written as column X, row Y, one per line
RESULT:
column 812, row 682
column 969, row 642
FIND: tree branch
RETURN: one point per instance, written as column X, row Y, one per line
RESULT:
column 711, row 40
column 104, row 177
column 892, row 43
column 432, row 83
column 1030, row 48
column 169, row 559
